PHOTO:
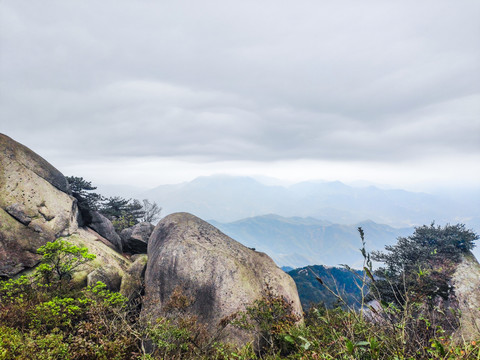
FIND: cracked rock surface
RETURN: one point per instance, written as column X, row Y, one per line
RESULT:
column 35, row 206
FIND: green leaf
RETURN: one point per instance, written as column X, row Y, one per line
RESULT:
column 306, row 344
column 362, row 343
column 350, row 346
column 289, row 339
column 369, row 274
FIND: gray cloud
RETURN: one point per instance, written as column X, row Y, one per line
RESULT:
column 255, row 81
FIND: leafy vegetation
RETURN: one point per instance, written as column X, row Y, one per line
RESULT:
column 60, row 259
column 42, row 316
column 271, row 317
column 81, row 190
column 122, row 212
column 86, row 199
column 419, row 267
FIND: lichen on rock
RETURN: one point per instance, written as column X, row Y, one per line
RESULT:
column 220, row 275
column 35, row 206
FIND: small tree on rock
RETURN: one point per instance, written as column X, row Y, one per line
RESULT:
column 152, row 211
column 421, row 265
column 60, row 259
column 87, row 200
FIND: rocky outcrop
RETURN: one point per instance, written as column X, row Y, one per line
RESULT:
column 20, row 154
column 186, row 254
column 105, row 228
column 35, row 206
column 106, row 258
column 135, row 238
column 466, row 284
column 133, row 285
column 220, row 275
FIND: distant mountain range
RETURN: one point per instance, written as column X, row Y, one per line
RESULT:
column 297, row 242
column 295, row 237
column 230, row 198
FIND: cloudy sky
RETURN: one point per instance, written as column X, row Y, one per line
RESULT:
column 152, row 92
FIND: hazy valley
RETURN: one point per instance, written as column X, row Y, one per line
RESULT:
column 310, row 222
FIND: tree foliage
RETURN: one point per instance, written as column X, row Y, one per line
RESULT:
column 114, row 207
column 122, row 212
column 81, row 189
column 421, row 265
column 87, row 201
column 60, row 259
column 152, row 211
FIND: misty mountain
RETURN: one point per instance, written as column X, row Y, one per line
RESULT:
column 230, row 198
column 222, row 198
column 298, row 242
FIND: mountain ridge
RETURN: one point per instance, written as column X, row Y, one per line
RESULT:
column 298, row 242
column 230, row 198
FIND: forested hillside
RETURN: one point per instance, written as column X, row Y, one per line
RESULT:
column 312, row 282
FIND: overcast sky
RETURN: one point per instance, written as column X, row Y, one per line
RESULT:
column 153, row 92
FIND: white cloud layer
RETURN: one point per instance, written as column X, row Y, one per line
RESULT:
column 270, row 87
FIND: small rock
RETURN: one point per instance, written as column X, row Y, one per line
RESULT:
column 107, row 275
column 133, row 285
column 135, row 238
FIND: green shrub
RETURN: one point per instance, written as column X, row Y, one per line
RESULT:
column 60, row 259
column 15, row 344
column 420, row 266
column 271, row 318
column 59, row 313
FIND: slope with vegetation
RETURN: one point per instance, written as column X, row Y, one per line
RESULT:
column 43, row 316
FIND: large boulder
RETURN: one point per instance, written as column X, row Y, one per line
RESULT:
column 466, row 285
column 105, row 228
column 35, row 206
column 135, row 238
column 219, row 274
